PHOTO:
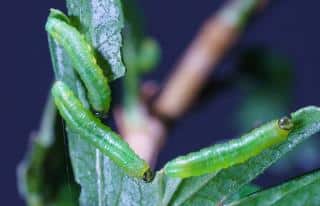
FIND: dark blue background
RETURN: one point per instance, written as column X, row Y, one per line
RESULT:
column 289, row 26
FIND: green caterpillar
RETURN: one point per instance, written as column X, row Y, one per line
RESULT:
column 220, row 156
column 82, row 58
column 82, row 121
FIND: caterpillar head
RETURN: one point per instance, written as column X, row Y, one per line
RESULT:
column 285, row 123
column 148, row 176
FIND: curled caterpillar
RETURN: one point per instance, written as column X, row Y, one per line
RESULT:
column 82, row 58
column 220, row 156
column 82, row 121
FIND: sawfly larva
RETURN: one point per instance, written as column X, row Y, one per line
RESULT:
column 220, row 156
column 90, row 128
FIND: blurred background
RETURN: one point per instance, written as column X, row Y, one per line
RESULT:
column 281, row 42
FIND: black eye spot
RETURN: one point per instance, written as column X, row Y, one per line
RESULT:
column 285, row 123
column 148, row 176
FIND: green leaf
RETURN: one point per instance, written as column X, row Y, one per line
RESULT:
column 298, row 192
column 101, row 21
column 43, row 176
column 216, row 188
column 243, row 192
